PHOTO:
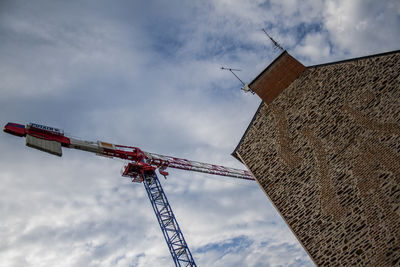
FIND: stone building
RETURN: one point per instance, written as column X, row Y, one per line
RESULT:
column 324, row 145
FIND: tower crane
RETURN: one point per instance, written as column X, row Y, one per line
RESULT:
column 141, row 167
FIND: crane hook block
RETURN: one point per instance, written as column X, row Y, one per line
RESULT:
column 163, row 173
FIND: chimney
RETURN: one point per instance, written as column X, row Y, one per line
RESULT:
column 277, row 77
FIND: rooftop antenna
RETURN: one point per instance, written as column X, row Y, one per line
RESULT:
column 276, row 44
column 245, row 87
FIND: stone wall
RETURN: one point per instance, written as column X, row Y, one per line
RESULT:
column 326, row 151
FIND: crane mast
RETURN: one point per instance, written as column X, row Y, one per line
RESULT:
column 169, row 226
column 140, row 167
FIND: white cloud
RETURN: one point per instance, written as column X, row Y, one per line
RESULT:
column 315, row 46
column 363, row 27
column 147, row 74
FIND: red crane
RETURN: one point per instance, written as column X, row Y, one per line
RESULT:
column 141, row 167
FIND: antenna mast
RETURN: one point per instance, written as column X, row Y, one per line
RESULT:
column 276, row 44
column 245, row 87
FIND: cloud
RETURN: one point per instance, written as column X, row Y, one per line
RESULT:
column 316, row 46
column 147, row 74
column 362, row 27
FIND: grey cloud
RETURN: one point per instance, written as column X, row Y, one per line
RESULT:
column 147, row 74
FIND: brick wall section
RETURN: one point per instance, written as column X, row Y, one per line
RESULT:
column 276, row 77
column 326, row 151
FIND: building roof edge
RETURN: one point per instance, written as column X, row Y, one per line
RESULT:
column 233, row 154
column 354, row 59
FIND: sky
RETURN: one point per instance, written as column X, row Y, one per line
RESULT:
column 147, row 74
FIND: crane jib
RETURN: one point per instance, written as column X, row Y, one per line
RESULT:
column 129, row 153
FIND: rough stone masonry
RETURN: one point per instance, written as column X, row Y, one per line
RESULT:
column 325, row 148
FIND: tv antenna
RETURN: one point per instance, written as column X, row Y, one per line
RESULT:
column 245, row 87
column 276, row 44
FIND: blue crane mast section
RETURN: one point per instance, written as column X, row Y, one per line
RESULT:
column 169, row 226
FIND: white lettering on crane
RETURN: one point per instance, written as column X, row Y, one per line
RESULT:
column 46, row 128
